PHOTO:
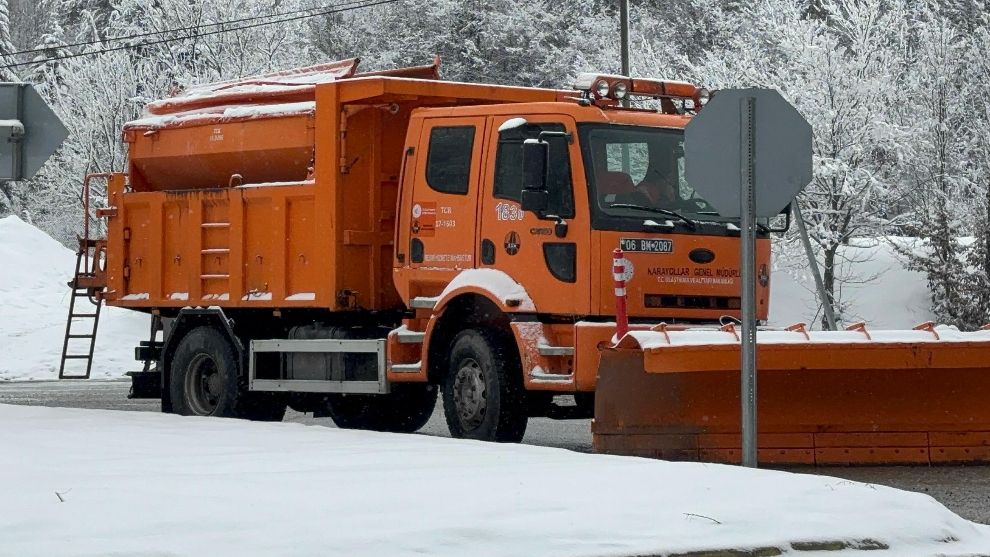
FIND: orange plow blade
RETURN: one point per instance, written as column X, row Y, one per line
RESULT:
column 839, row 397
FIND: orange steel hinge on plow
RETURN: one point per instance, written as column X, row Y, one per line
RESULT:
column 831, row 397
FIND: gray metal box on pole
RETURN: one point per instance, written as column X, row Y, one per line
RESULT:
column 30, row 132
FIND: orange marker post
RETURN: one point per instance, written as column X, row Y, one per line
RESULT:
column 619, row 274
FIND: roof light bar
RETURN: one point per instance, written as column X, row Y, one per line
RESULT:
column 608, row 87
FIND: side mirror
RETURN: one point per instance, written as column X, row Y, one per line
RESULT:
column 535, row 196
column 781, row 222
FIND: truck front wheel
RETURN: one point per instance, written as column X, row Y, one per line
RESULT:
column 483, row 395
column 205, row 380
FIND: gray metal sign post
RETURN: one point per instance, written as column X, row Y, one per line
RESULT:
column 748, row 153
column 747, row 221
column 30, row 132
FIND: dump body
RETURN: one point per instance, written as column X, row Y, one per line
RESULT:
column 272, row 205
column 236, row 222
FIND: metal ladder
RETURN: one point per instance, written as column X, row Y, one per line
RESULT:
column 80, row 291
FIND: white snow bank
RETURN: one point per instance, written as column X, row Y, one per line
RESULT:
column 34, row 304
column 153, row 484
column 881, row 291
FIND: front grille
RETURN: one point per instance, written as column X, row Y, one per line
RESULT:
column 690, row 302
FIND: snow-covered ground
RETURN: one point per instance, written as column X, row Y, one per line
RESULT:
column 96, row 482
column 879, row 290
column 34, row 302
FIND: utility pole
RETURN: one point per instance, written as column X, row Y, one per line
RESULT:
column 624, row 56
column 624, row 35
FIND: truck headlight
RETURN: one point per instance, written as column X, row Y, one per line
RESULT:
column 601, row 88
column 620, row 90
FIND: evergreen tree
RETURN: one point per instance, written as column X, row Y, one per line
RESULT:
column 937, row 170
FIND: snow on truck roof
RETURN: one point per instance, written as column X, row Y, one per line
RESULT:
column 280, row 87
column 289, row 79
column 272, row 95
column 223, row 114
column 285, row 94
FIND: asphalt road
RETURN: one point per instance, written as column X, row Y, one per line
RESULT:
column 964, row 489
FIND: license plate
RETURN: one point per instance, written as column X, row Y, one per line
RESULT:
column 647, row 245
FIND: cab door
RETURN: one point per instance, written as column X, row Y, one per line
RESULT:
column 549, row 254
column 440, row 224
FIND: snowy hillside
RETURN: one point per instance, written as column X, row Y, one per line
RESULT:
column 880, row 291
column 170, row 485
column 34, row 301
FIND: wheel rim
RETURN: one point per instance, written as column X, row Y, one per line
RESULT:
column 203, row 385
column 470, row 395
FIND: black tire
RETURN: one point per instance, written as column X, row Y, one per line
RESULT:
column 406, row 409
column 206, row 380
column 483, row 394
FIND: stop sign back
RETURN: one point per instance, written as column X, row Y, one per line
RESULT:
column 30, row 132
column 714, row 145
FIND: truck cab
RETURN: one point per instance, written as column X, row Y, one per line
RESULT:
column 614, row 178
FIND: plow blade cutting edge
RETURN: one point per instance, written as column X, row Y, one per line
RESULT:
column 918, row 396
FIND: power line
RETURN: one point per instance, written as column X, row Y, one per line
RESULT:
column 166, row 31
column 349, row 6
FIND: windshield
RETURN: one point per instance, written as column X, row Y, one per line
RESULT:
column 638, row 172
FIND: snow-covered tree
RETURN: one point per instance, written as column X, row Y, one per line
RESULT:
column 839, row 68
column 6, row 44
column 939, row 188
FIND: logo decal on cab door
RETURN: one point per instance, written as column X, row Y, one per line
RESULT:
column 424, row 218
column 512, row 243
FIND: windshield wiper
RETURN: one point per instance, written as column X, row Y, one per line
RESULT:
column 760, row 227
column 690, row 223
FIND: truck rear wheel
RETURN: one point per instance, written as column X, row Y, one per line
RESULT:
column 483, row 395
column 406, row 409
column 205, row 380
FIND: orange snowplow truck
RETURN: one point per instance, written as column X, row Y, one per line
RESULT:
column 352, row 244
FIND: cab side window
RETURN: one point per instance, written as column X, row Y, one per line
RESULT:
column 448, row 161
column 508, row 167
